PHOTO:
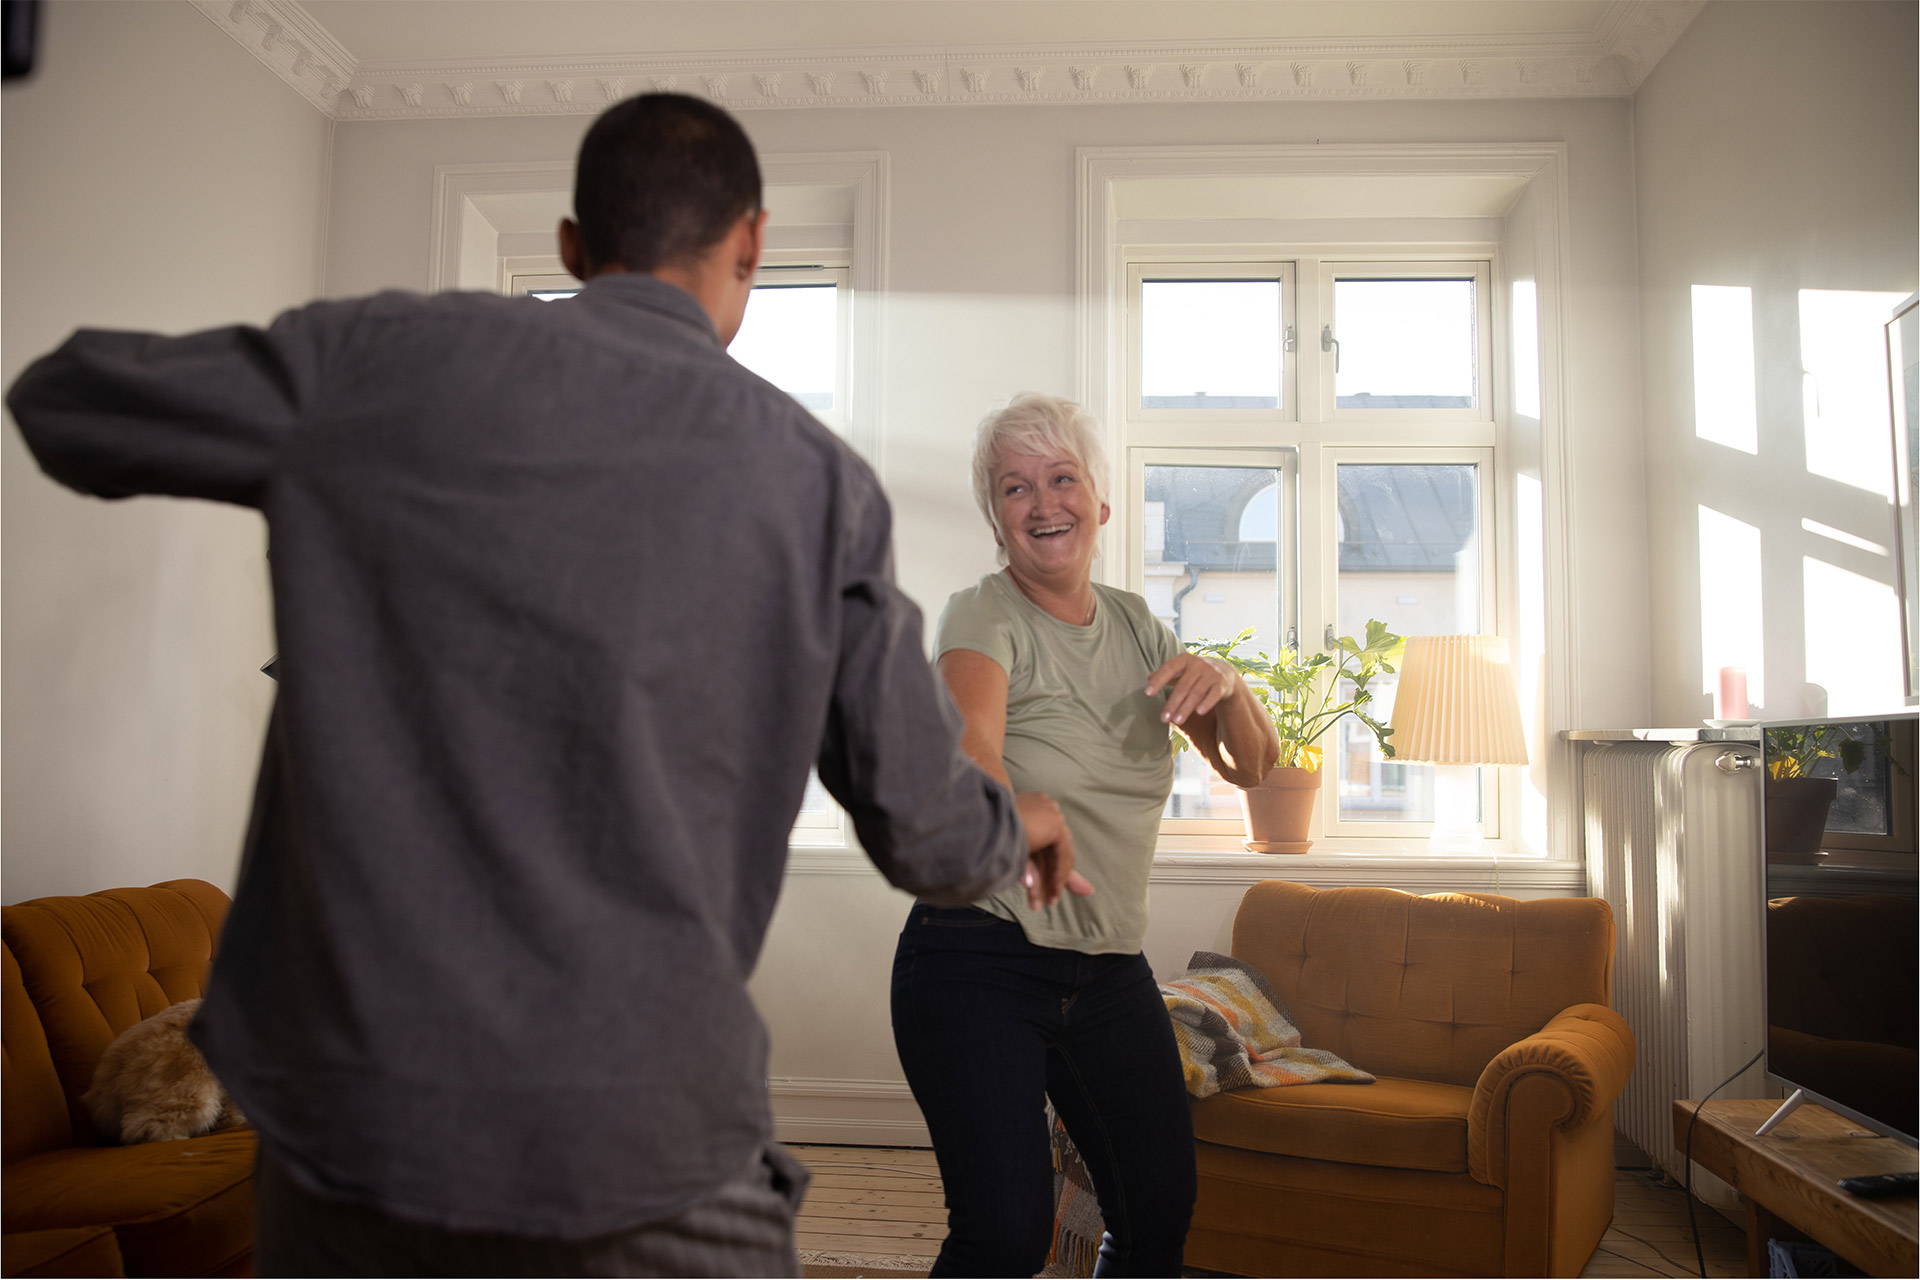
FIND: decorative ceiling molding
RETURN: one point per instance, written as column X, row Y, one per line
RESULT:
column 1611, row 61
column 282, row 34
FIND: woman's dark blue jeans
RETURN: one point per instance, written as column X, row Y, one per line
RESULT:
column 989, row 1026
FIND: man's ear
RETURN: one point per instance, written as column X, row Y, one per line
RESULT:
column 572, row 256
column 750, row 241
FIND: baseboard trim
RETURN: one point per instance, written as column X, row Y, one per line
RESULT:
column 846, row 1112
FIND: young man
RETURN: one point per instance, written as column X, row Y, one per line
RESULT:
column 567, row 603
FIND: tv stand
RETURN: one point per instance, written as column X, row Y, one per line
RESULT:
column 1787, row 1108
column 1789, row 1180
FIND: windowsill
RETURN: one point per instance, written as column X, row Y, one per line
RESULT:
column 1402, row 869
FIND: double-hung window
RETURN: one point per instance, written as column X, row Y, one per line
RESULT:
column 1309, row 442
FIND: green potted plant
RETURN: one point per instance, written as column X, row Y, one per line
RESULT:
column 1302, row 696
column 1797, row 802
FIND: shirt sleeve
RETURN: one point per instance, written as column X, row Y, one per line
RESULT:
column 205, row 415
column 931, row 820
column 971, row 621
column 1167, row 644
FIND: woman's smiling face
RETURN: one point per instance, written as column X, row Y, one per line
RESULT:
column 1049, row 517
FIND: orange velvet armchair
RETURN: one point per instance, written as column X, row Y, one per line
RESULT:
column 1486, row 1145
column 78, row 972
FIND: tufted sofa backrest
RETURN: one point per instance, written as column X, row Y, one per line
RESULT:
column 94, row 966
column 35, row 1109
column 1425, row 988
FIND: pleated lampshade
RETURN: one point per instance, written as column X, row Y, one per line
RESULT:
column 1456, row 703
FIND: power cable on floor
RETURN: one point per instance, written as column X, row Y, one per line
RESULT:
column 1693, row 1223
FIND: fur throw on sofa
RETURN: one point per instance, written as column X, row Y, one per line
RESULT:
column 152, row 1085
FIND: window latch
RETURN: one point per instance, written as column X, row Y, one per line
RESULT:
column 1332, row 641
column 1330, row 343
column 1287, row 343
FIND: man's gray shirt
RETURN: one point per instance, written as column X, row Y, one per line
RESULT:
column 567, row 603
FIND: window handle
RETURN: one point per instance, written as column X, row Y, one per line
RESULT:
column 1287, row 343
column 1331, row 640
column 1330, row 343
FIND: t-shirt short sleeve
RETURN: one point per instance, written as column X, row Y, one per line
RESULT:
column 1167, row 645
column 975, row 620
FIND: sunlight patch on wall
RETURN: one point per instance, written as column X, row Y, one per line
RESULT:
column 1843, row 537
column 1526, row 350
column 1731, row 633
column 1530, row 660
column 1844, row 387
column 1853, row 639
column 1723, row 382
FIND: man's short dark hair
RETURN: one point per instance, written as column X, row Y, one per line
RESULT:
column 661, row 177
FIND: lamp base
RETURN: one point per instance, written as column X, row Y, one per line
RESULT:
column 1456, row 810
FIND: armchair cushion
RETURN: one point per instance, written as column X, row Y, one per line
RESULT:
column 176, row 1208
column 1392, row 1123
column 65, row 1251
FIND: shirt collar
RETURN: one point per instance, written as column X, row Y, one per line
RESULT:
column 638, row 291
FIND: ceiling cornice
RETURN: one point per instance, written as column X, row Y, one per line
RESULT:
column 291, row 41
column 1610, row 61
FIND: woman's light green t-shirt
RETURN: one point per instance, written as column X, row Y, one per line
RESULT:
column 1081, row 728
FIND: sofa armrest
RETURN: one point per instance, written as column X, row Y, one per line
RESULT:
column 1586, row 1050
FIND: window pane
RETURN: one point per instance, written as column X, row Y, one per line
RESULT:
column 1409, row 555
column 1212, row 569
column 1210, row 344
column 1405, row 344
column 789, row 337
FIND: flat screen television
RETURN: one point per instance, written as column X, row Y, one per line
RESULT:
column 1843, row 918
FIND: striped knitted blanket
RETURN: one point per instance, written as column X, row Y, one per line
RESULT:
column 1234, row 1034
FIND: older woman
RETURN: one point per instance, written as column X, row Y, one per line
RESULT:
column 1067, row 687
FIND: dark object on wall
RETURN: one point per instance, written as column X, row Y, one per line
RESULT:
column 19, row 32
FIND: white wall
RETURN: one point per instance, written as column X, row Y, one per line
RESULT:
column 981, row 306
column 1775, row 151
column 158, row 177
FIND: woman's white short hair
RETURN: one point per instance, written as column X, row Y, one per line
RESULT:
column 1035, row 423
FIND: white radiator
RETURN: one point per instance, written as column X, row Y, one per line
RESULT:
column 1673, row 845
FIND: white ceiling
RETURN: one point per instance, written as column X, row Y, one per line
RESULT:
column 377, row 31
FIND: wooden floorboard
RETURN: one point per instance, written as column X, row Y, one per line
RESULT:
column 881, row 1207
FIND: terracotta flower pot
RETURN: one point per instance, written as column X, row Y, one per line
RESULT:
column 1796, row 817
column 1280, row 809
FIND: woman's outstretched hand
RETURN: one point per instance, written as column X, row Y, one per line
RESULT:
column 1049, row 852
column 1194, row 685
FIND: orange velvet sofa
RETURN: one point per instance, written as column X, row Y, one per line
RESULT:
column 1485, row 1147
column 78, row 972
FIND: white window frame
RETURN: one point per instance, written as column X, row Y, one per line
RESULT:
column 1529, row 216
column 1169, row 425
column 1372, row 266
column 791, row 268
column 1285, row 459
column 1498, row 822
column 1321, row 438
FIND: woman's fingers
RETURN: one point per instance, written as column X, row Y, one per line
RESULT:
column 1194, row 686
column 1050, row 851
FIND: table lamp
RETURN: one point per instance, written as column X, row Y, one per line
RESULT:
column 1455, row 707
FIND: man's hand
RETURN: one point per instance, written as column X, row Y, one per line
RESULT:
column 1194, row 684
column 1049, row 850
